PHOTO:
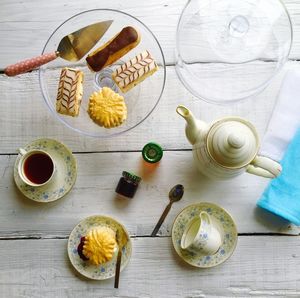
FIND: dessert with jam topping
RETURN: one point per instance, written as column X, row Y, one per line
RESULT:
column 98, row 246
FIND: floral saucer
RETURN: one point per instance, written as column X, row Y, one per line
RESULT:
column 64, row 178
column 106, row 270
column 226, row 225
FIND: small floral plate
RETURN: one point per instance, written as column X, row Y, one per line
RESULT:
column 226, row 225
column 64, row 178
column 106, row 270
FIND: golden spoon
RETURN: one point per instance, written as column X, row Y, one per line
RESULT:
column 175, row 195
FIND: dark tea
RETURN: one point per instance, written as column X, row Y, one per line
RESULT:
column 38, row 168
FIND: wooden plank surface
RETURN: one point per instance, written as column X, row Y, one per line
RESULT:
column 33, row 236
column 98, row 175
column 21, row 22
column 23, row 102
column 19, row 101
column 260, row 267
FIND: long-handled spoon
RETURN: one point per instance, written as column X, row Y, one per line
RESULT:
column 175, row 195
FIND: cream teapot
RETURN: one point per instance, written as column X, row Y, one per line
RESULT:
column 227, row 147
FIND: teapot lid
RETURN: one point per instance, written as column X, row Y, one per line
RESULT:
column 232, row 142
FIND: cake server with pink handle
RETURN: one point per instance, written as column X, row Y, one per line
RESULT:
column 72, row 48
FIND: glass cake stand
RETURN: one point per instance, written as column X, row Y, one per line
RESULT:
column 140, row 100
column 228, row 50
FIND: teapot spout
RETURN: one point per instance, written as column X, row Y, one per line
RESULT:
column 195, row 129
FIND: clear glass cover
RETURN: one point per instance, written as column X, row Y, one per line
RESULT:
column 140, row 100
column 228, row 50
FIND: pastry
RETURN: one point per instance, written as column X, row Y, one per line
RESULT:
column 107, row 108
column 114, row 49
column 70, row 91
column 134, row 71
column 98, row 245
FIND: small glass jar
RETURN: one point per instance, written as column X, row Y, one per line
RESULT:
column 128, row 185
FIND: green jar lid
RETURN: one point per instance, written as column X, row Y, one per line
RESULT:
column 152, row 152
column 131, row 177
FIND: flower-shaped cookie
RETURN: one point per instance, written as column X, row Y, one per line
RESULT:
column 107, row 108
column 99, row 245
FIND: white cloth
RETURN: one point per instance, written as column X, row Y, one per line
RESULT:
column 285, row 119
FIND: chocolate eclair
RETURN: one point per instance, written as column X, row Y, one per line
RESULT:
column 114, row 49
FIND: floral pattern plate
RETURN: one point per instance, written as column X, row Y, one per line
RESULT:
column 64, row 178
column 225, row 223
column 106, row 270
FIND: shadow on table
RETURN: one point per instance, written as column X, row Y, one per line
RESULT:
column 201, row 271
column 121, row 202
column 76, row 274
column 26, row 202
column 273, row 222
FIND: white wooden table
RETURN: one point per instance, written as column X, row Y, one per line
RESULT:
column 33, row 237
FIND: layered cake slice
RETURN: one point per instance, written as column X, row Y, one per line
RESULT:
column 134, row 71
column 70, row 92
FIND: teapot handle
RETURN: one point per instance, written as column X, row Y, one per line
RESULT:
column 264, row 166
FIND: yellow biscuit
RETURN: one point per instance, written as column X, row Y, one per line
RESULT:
column 107, row 108
column 99, row 245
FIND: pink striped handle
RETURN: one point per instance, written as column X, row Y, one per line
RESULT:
column 29, row 64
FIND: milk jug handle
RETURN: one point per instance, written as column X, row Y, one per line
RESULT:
column 204, row 217
column 264, row 166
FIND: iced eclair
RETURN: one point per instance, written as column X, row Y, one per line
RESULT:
column 114, row 49
column 134, row 71
column 70, row 92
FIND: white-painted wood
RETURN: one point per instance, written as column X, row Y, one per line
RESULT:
column 23, row 102
column 35, row 20
column 98, row 175
column 260, row 267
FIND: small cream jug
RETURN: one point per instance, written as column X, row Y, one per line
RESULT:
column 226, row 148
column 201, row 235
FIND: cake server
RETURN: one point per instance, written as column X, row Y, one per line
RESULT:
column 72, row 47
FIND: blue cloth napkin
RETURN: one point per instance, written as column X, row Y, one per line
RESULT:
column 282, row 196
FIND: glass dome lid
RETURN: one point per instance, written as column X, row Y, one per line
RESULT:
column 228, row 50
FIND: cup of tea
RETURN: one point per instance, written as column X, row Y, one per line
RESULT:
column 201, row 235
column 36, row 167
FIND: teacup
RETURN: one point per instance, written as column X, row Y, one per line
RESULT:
column 201, row 235
column 36, row 167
